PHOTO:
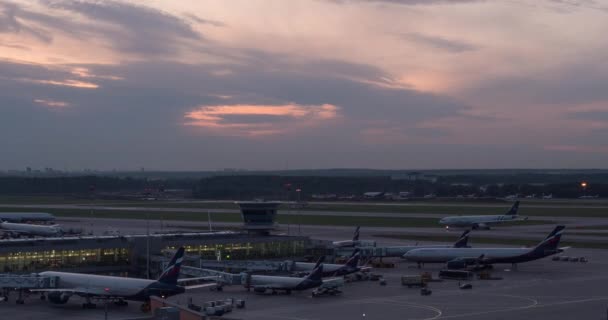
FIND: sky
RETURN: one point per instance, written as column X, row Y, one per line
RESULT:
column 303, row 84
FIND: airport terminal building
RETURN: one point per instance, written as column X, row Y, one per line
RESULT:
column 128, row 253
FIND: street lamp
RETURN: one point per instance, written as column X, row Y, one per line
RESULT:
column 299, row 191
column 584, row 186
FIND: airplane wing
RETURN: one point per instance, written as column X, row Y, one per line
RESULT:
column 333, row 283
column 198, row 279
column 14, row 231
column 198, row 286
column 365, row 269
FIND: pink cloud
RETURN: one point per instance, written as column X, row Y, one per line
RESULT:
column 217, row 118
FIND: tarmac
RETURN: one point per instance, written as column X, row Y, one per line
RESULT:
column 537, row 290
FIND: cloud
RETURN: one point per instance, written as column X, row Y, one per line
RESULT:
column 66, row 83
column 11, row 21
column 595, row 115
column 439, row 42
column 577, row 148
column 410, row 2
column 52, row 103
column 129, row 28
column 256, row 120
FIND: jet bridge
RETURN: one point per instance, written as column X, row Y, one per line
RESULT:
column 252, row 266
column 21, row 283
column 28, row 281
column 221, row 277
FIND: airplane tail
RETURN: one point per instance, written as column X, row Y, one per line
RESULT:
column 551, row 242
column 354, row 259
column 171, row 273
column 356, row 235
column 513, row 210
column 317, row 271
column 463, row 241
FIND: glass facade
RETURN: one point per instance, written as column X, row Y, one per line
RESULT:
column 247, row 250
column 35, row 261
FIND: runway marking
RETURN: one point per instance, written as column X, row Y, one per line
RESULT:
column 419, row 305
column 535, row 305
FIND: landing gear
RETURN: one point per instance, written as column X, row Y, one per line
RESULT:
column 514, row 266
column 274, row 292
column 20, row 298
column 42, row 297
column 89, row 304
column 287, row 291
column 145, row 307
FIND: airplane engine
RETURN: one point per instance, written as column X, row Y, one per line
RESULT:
column 259, row 290
column 481, row 226
column 59, row 297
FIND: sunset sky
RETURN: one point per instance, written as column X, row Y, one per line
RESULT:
column 398, row 84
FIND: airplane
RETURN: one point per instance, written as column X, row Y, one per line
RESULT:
column 399, row 251
column 116, row 288
column 26, row 229
column 336, row 270
column 459, row 258
column 263, row 283
column 355, row 242
column 482, row 221
column 21, row 217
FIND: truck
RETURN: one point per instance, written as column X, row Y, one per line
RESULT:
column 413, row 281
column 456, row 274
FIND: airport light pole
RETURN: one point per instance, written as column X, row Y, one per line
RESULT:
column 288, row 186
column 584, row 186
column 92, row 190
column 299, row 191
column 148, row 246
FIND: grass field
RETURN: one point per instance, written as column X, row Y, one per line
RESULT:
column 484, row 240
column 236, row 217
column 571, row 208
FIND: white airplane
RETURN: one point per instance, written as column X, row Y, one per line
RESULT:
column 21, row 217
column 355, row 242
column 262, row 283
column 482, row 221
column 336, row 270
column 458, row 258
column 26, row 229
column 117, row 288
column 399, row 251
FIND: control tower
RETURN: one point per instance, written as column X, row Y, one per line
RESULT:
column 259, row 216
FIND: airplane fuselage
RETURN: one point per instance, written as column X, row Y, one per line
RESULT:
column 490, row 255
column 109, row 286
column 31, row 229
column 281, row 283
column 469, row 221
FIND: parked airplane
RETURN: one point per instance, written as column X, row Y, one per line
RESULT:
column 399, row 251
column 482, row 221
column 355, row 242
column 458, row 258
column 21, row 217
column 116, row 288
column 26, row 229
column 262, row 283
column 336, row 270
